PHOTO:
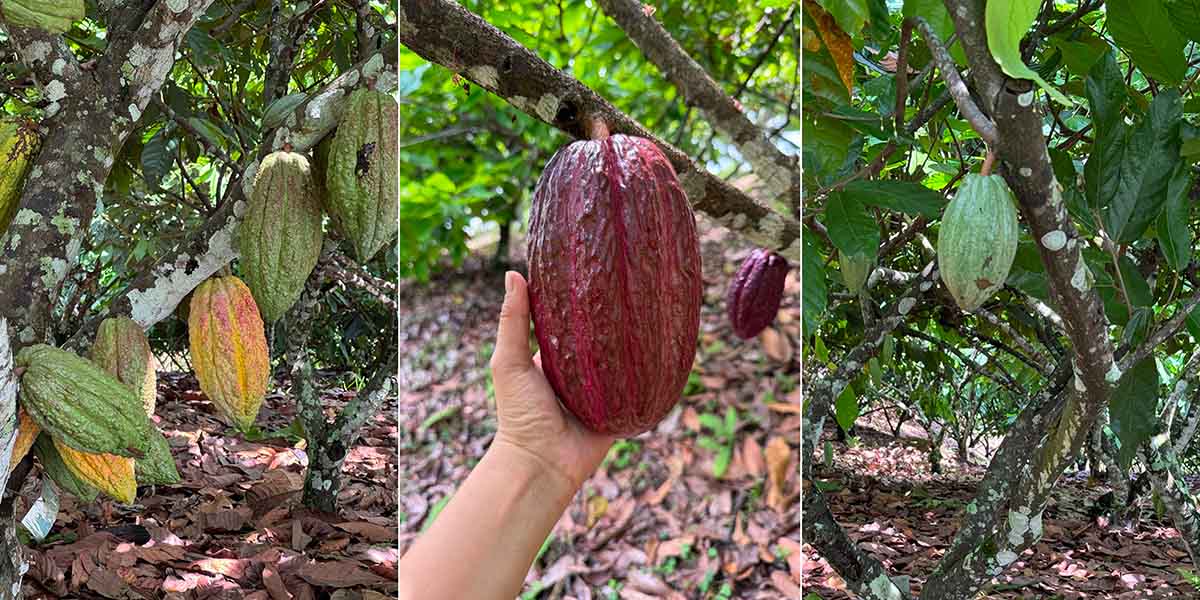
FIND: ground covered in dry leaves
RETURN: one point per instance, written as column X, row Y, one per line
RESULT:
column 234, row 527
column 882, row 492
column 662, row 518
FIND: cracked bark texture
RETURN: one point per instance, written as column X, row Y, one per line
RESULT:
column 780, row 174
column 445, row 33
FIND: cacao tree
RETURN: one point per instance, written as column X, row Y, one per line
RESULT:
column 133, row 139
column 1059, row 312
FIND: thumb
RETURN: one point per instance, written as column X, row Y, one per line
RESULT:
column 512, row 341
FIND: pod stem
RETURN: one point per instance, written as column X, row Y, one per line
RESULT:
column 595, row 128
column 988, row 161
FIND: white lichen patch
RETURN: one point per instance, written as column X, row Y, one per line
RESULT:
column 906, row 304
column 177, row 6
column 1025, row 172
column 925, row 285
column 547, row 107
column 56, row 90
column 883, row 588
column 1114, row 373
column 54, row 270
column 1025, row 99
column 1055, row 240
column 58, row 66
column 375, row 66
column 520, row 102
column 26, row 217
column 65, row 225
column 1018, row 525
column 1006, row 557
column 173, row 282
column 135, row 113
column 1082, row 277
column 39, row 51
column 485, row 75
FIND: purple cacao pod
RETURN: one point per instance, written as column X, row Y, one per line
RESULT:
column 755, row 292
column 614, row 282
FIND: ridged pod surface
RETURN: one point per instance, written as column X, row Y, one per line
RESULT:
column 108, row 473
column 121, row 348
column 755, row 292
column 977, row 240
column 158, row 467
column 54, row 467
column 615, row 283
column 18, row 145
column 280, row 234
column 361, row 176
column 80, row 404
column 27, row 432
column 229, row 349
column 54, row 16
column 855, row 270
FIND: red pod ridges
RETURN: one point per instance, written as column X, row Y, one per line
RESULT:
column 615, row 282
column 755, row 292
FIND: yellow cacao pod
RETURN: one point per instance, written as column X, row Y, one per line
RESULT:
column 108, row 473
column 54, row 468
column 121, row 348
column 229, row 349
column 18, row 145
column 27, row 432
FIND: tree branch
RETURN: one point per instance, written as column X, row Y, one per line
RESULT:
column 954, row 83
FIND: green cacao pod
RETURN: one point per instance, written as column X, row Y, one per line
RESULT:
column 108, row 473
column 229, row 349
column 54, row 16
column 855, row 271
column 158, row 467
column 121, row 348
column 614, row 282
column 978, row 240
column 80, row 404
column 27, row 432
column 361, row 176
column 18, row 145
column 755, row 293
column 54, row 467
column 280, row 234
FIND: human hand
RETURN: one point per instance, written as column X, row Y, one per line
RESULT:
column 531, row 419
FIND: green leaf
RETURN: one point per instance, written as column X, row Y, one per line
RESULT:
column 814, row 293
column 1151, row 155
column 711, row 421
column 1081, row 54
column 1132, row 408
column 828, row 455
column 903, row 196
column 1143, row 29
column 157, row 156
column 849, row 14
column 934, row 11
column 280, row 109
column 1185, row 16
column 846, row 409
column 730, row 421
column 721, row 462
column 1006, row 22
column 852, row 229
column 1174, row 236
column 1107, row 96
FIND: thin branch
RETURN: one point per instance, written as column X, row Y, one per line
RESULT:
column 957, row 87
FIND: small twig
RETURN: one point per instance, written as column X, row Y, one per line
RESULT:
column 955, row 84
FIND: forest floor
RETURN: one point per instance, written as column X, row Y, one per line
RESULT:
column 233, row 527
column 656, row 520
column 883, row 493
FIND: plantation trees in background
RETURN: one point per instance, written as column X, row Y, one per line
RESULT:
column 1088, row 116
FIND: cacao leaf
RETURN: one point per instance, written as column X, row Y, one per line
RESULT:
column 1132, row 408
column 1143, row 29
column 1006, row 23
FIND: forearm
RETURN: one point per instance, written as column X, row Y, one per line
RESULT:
column 482, row 544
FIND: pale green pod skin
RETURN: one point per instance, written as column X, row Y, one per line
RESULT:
column 361, row 178
column 158, row 467
column 280, row 235
column 855, row 270
column 54, row 16
column 81, row 404
column 978, row 240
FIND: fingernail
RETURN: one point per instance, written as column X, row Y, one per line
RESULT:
column 508, row 282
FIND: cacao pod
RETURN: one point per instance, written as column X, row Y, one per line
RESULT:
column 19, row 143
column 108, row 473
column 80, row 404
column 229, row 349
column 27, row 432
column 158, row 467
column 755, row 292
column 978, row 240
column 280, row 234
column 54, row 468
column 54, row 16
column 856, row 268
column 362, row 173
column 615, row 282
column 121, row 348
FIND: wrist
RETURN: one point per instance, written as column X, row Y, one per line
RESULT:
column 534, row 468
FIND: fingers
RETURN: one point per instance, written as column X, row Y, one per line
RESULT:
column 512, row 341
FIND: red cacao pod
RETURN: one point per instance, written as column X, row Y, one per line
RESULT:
column 755, row 292
column 614, row 282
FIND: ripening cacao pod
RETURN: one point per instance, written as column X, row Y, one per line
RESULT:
column 229, row 349
column 615, row 283
column 53, row 466
column 80, row 404
column 108, row 473
column 19, row 143
column 856, row 268
column 361, row 175
column 27, row 432
column 121, row 348
column 54, row 16
column 755, row 292
column 158, row 466
column 280, row 234
column 978, row 240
